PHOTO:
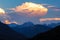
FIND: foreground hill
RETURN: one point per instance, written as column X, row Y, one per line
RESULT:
column 53, row 34
column 6, row 33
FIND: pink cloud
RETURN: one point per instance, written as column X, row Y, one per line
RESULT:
column 49, row 19
column 31, row 9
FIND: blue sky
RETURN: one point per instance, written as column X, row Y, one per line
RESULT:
column 13, row 3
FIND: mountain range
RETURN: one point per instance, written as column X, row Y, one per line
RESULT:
column 28, row 31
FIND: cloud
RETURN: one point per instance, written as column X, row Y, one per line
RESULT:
column 50, row 6
column 56, row 9
column 3, row 14
column 53, row 8
column 2, row 11
column 31, row 9
column 4, row 17
column 9, row 22
column 49, row 19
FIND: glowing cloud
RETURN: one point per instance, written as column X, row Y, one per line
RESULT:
column 49, row 19
column 2, row 11
column 31, row 9
column 7, row 22
column 14, row 22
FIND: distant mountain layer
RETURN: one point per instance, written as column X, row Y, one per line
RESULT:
column 29, row 30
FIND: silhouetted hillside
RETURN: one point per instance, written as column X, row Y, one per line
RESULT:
column 6, row 33
column 53, row 25
column 53, row 34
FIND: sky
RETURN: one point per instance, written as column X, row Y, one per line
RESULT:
column 13, row 8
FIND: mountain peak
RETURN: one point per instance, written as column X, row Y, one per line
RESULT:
column 28, row 24
column 12, row 25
